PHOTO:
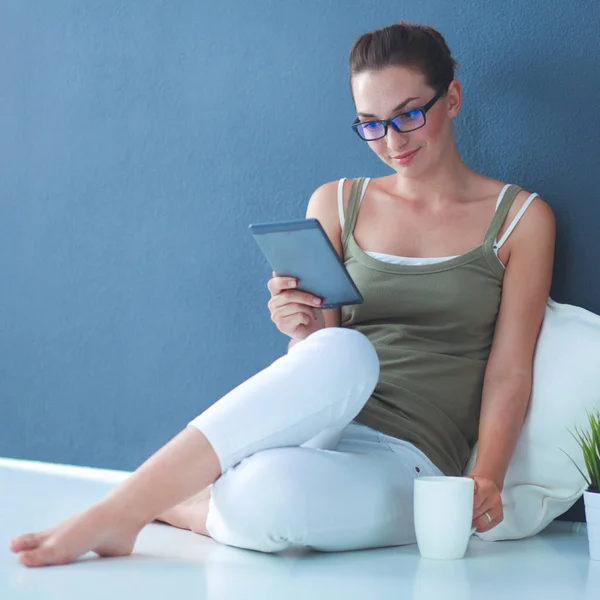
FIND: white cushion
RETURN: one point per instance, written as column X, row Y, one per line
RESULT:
column 541, row 482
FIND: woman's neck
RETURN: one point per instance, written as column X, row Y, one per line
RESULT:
column 448, row 181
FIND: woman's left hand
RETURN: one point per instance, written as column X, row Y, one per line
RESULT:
column 487, row 500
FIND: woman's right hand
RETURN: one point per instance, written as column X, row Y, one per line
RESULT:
column 294, row 312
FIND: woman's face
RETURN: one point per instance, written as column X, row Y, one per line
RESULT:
column 391, row 91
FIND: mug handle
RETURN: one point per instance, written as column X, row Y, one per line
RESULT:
column 473, row 530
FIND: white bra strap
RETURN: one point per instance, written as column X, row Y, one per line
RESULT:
column 515, row 221
column 341, row 200
column 364, row 189
column 501, row 195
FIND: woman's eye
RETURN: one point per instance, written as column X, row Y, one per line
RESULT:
column 412, row 115
column 371, row 125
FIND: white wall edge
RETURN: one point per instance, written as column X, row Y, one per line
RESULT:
column 89, row 473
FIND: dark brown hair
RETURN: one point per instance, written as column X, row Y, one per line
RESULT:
column 403, row 44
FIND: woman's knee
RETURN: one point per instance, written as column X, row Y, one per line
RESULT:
column 348, row 352
column 260, row 503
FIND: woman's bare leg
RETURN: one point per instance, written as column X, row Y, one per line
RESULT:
column 190, row 514
column 183, row 467
column 319, row 386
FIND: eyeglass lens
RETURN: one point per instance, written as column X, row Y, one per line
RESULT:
column 404, row 122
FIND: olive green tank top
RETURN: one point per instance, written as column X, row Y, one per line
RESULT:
column 432, row 327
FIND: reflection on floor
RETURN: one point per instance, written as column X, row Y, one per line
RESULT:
column 172, row 563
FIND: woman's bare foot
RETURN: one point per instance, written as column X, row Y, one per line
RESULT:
column 190, row 514
column 96, row 529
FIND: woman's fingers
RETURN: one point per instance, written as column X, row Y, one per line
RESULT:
column 295, row 297
column 295, row 320
column 480, row 516
column 293, row 311
column 286, row 311
column 277, row 284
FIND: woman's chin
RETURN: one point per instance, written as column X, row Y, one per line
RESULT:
column 408, row 172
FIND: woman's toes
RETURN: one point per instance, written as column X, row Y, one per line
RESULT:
column 23, row 542
column 29, row 541
column 44, row 555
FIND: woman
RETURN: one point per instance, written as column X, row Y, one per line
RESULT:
column 322, row 447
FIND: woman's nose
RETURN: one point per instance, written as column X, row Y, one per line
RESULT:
column 396, row 141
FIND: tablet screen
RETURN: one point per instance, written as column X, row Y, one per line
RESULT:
column 302, row 249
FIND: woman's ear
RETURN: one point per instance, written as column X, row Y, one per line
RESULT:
column 454, row 98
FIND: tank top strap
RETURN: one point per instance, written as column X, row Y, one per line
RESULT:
column 509, row 194
column 356, row 192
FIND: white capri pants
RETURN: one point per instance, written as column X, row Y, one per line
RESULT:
column 296, row 471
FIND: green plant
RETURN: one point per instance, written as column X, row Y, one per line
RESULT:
column 589, row 442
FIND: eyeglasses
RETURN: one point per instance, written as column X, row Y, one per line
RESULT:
column 370, row 131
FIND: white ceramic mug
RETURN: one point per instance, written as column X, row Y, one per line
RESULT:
column 443, row 512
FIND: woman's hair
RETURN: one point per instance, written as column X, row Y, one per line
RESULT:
column 417, row 47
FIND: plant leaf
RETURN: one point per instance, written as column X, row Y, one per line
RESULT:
column 588, row 482
column 588, row 440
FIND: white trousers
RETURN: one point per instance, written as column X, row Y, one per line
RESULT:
column 296, row 469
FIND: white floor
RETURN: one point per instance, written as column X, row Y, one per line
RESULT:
column 172, row 563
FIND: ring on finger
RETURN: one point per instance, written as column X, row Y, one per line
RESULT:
column 489, row 518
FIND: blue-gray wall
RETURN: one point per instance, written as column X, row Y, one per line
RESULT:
column 138, row 139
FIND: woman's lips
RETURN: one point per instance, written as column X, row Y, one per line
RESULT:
column 404, row 159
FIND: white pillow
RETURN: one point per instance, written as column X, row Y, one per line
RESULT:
column 541, row 482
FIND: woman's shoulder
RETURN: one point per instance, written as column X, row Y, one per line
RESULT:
column 323, row 206
column 494, row 187
column 325, row 199
column 537, row 222
column 538, row 209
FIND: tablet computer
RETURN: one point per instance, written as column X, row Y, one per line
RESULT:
column 301, row 249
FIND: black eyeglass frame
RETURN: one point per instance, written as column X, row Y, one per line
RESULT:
column 386, row 122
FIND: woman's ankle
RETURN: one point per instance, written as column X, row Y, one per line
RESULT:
column 120, row 516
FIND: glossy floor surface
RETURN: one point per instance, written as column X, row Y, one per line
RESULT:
column 171, row 563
